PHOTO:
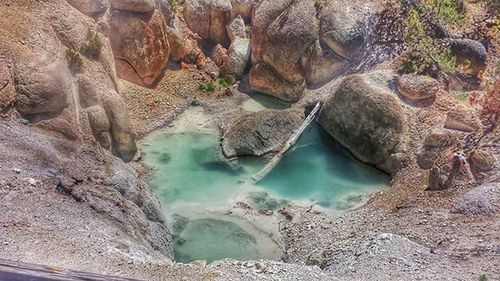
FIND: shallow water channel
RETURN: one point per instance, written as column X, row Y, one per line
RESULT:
column 197, row 187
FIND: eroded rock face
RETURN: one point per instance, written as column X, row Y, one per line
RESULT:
column 308, row 41
column 137, row 6
column 236, row 28
column 140, row 46
column 260, row 133
column 43, row 85
column 471, row 50
column 208, row 18
column 416, row 87
column 90, row 7
column 367, row 119
column 7, row 89
column 264, row 79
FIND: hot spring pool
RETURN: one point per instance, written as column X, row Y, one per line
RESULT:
column 191, row 176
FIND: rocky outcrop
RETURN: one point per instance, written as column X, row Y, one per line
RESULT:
column 208, row 18
column 416, row 87
column 90, row 7
column 367, row 119
column 260, row 133
column 43, row 85
column 140, row 46
column 304, row 41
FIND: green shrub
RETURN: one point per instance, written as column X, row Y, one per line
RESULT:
column 208, row 87
column 460, row 95
column 450, row 11
column 93, row 46
column 74, row 59
column 422, row 56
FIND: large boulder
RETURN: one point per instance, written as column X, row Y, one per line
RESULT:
column 367, row 119
column 208, row 18
column 281, row 34
column 90, row 7
column 263, row 78
column 140, row 46
column 308, row 40
column 260, row 133
column 43, row 85
column 345, row 26
column 470, row 50
column 137, row 6
column 237, row 57
column 416, row 87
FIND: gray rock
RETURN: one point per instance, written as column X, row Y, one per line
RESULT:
column 137, row 6
column 90, row 7
column 259, row 133
column 43, row 85
column 236, row 28
column 481, row 200
column 237, row 57
column 366, row 119
column 471, row 50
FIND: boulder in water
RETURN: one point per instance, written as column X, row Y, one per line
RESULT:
column 367, row 119
column 260, row 133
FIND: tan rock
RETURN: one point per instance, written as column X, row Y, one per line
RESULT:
column 417, row 87
column 483, row 160
column 264, row 79
column 237, row 58
column 140, row 46
column 236, row 28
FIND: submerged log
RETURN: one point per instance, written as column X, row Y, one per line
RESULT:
column 291, row 141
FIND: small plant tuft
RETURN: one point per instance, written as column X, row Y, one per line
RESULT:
column 224, row 82
column 93, row 46
column 74, row 59
column 483, row 277
column 460, row 95
column 449, row 11
column 208, row 87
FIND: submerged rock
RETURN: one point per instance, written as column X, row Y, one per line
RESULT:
column 367, row 120
column 260, row 133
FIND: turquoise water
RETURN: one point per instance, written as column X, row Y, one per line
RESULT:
column 191, row 176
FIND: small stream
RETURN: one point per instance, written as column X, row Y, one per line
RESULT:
column 197, row 187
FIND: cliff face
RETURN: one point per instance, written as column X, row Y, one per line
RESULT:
column 65, row 129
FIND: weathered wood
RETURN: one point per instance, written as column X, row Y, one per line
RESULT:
column 19, row 271
column 291, row 141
